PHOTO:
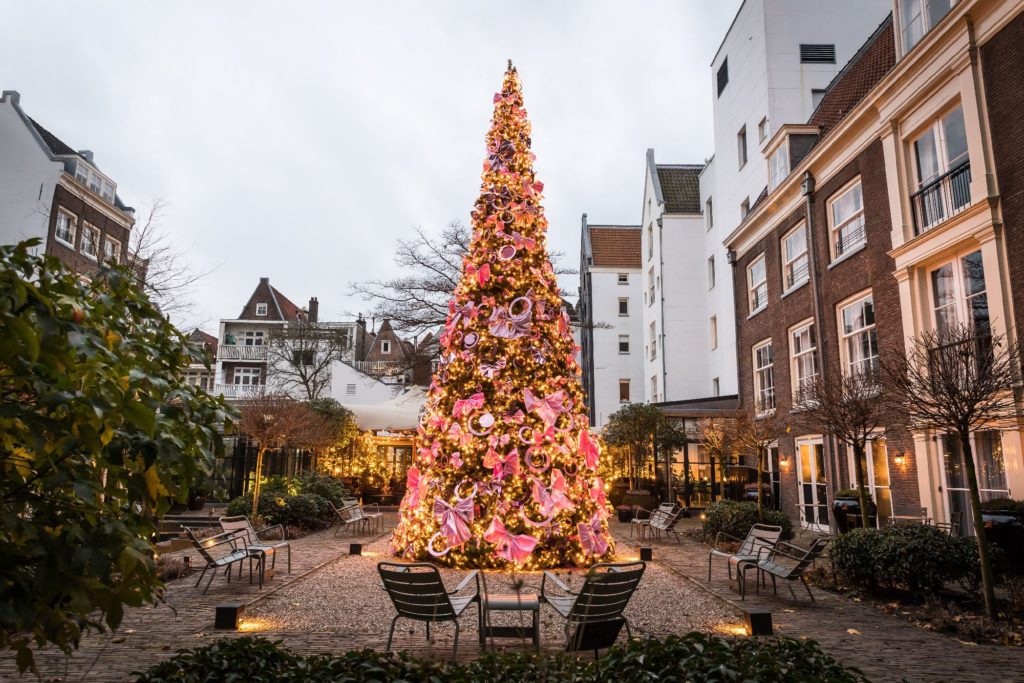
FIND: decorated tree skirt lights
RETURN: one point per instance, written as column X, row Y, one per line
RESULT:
column 505, row 470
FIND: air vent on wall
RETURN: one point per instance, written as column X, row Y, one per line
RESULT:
column 817, row 54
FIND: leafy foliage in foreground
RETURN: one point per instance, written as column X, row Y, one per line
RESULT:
column 99, row 432
column 693, row 657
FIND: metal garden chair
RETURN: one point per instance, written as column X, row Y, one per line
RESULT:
column 417, row 592
column 221, row 552
column 789, row 562
column 242, row 526
column 760, row 536
column 374, row 517
column 349, row 516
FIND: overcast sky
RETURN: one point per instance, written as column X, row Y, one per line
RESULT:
column 299, row 140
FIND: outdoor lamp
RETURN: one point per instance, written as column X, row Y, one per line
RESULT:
column 759, row 621
column 646, row 554
column 229, row 616
column 355, row 549
column 900, row 459
column 784, row 461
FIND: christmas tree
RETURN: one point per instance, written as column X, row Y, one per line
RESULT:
column 505, row 469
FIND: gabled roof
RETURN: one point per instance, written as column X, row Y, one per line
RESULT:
column 199, row 337
column 56, row 145
column 288, row 309
column 279, row 307
column 680, row 186
column 852, row 84
column 615, row 245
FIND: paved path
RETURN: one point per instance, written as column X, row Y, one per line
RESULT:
column 885, row 647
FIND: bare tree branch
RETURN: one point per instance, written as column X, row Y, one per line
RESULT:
column 302, row 354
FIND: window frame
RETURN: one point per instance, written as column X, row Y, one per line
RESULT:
column 650, row 286
column 846, row 337
column 713, row 330
column 722, row 76
column 789, row 265
column 72, row 223
column 90, row 229
column 963, row 312
column 247, row 371
column 762, row 129
column 753, row 287
column 623, row 338
column 624, row 382
column 709, row 213
column 653, row 339
column 745, row 208
column 760, row 373
column 834, row 229
column 776, row 175
column 795, row 357
column 262, row 307
column 712, row 278
column 116, row 255
column 385, row 347
column 742, row 155
column 623, row 278
column 623, row 306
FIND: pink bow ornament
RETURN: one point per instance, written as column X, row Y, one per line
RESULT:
column 455, row 519
column 592, row 536
column 502, row 465
column 504, row 326
column 548, row 408
column 512, row 547
column 465, row 406
column 588, row 449
column 552, row 499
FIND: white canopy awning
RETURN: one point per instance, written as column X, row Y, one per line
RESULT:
column 399, row 413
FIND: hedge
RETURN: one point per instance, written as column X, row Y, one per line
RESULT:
column 695, row 656
column 736, row 518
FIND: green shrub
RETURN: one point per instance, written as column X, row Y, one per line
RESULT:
column 968, row 564
column 855, row 555
column 695, row 656
column 306, row 511
column 323, row 486
column 736, row 518
column 1002, row 504
column 851, row 493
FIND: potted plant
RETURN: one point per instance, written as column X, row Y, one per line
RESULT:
column 1004, row 526
column 847, row 502
column 625, row 513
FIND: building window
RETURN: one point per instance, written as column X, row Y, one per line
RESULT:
column 350, row 389
column 875, row 467
column 650, row 287
column 385, row 346
column 764, row 379
column 252, row 338
column 709, row 214
column 246, row 376
column 757, row 285
column 859, row 342
column 653, row 334
column 803, row 359
column 744, row 208
column 711, row 272
column 715, row 388
column 303, row 357
column 90, row 241
column 650, row 241
column 917, row 17
column 713, row 323
column 846, row 220
column 623, row 391
column 623, row 306
column 778, row 166
column 623, row 278
column 623, row 343
column 91, row 179
column 723, row 76
column 795, row 263
column 654, row 388
column 762, row 129
column 817, row 95
column 65, row 231
column 111, row 250
column 959, row 296
column 817, row 53
column 741, row 146
column 261, row 309
column 943, row 171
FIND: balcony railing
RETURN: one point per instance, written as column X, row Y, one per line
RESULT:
column 798, row 274
column 239, row 390
column 382, row 368
column 942, row 198
column 242, row 352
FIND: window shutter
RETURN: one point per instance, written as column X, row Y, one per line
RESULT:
column 817, row 54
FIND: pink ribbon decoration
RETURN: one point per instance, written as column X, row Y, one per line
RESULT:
column 490, row 370
column 592, row 536
column 431, row 453
column 548, row 408
column 588, row 449
column 521, row 242
column 484, row 273
column 598, row 496
column 552, row 499
column 503, row 326
column 465, row 406
column 512, row 547
column 416, row 487
column 464, row 314
column 455, row 519
column 503, row 465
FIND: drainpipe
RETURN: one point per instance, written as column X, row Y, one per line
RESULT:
column 661, row 297
column 831, row 454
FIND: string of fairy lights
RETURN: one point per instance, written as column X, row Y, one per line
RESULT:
column 505, row 469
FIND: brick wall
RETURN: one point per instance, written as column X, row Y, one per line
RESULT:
column 85, row 213
column 1001, row 61
column 871, row 268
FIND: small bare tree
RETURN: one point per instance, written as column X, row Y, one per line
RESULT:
column 301, row 355
column 273, row 421
column 755, row 434
column 163, row 267
column 716, row 435
column 850, row 409
column 960, row 380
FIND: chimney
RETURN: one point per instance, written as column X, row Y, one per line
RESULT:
column 314, row 309
column 264, row 280
column 14, row 96
column 87, row 153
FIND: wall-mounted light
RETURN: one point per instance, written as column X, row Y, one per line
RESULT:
column 900, row 459
column 784, row 461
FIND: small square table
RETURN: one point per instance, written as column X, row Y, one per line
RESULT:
column 509, row 602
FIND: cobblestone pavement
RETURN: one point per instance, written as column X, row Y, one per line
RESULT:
column 885, row 647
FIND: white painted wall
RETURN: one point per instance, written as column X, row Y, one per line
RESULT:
column 609, row 365
column 27, row 178
column 367, row 389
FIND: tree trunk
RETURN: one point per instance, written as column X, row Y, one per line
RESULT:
column 686, row 475
column 987, row 587
column 760, row 493
column 256, row 485
column 711, row 493
column 858, row 473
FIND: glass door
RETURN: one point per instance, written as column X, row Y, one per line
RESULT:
column 988, row 462
column 812, row 484
column 773, row 477
column 876, row 477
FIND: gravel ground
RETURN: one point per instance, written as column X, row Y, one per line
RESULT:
column 346, row 596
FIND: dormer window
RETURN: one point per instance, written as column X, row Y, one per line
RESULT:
column 261, row 309
column 95, row 181
column 385, row 346
column 778, row 166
